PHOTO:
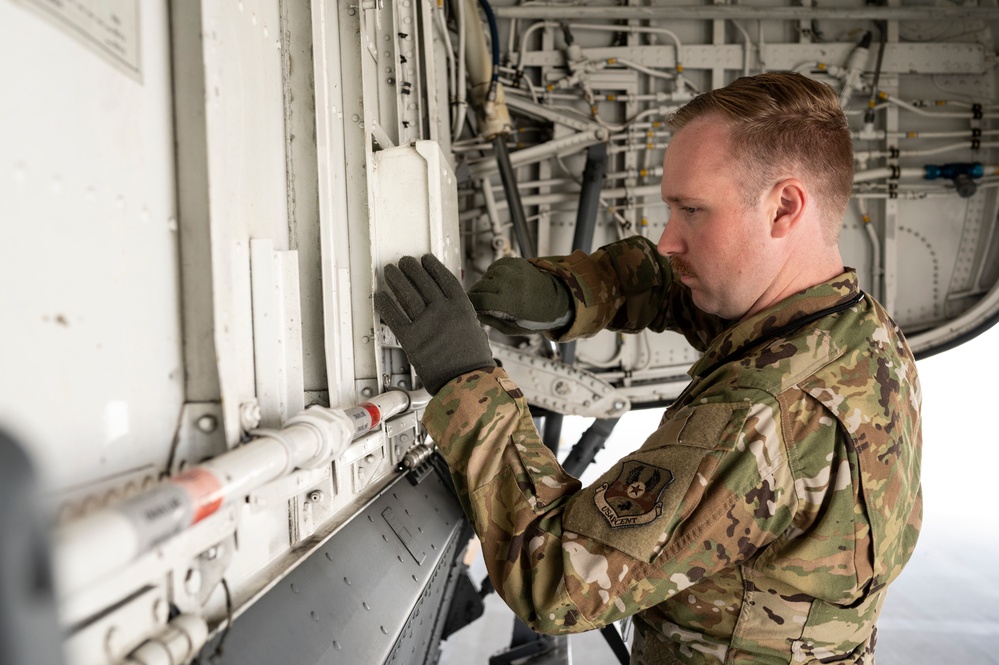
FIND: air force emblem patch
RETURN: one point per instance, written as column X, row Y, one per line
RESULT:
column 633, row 498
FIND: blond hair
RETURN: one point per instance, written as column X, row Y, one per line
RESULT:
column 784, row 124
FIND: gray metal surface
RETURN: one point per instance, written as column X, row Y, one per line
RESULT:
column 27, row 598
column 377, row 592
column 419, row 641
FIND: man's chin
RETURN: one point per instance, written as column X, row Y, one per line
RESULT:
column 709, row 306
column 703, row 304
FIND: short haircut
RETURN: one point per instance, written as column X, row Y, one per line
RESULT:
column 784, row 124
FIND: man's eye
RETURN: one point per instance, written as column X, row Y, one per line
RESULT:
column 686, row 210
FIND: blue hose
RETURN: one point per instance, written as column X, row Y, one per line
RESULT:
column 494, row 38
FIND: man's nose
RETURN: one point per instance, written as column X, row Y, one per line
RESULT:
column 670, row 241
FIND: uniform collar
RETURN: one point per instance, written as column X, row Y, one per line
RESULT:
column 742, row 336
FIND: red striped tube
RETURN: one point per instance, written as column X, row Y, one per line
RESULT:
column 106, row 540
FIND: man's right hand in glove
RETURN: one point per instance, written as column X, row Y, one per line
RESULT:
column 517, row 298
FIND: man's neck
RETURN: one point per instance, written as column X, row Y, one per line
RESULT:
column 802, row 273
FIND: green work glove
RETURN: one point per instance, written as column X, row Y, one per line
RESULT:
column 433, row 320
column 517, row 298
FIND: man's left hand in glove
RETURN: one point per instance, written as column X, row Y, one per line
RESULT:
column 433, row 321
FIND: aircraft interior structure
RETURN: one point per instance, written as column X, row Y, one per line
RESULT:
column 210, row 448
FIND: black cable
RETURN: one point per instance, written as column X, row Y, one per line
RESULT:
column 784, row 331
column 552, row 434
column 517, row 215
column 883, row 31
column 590, row 443
column 582, row 239
column 589, row 197
column 216, row 656
column 616, row 643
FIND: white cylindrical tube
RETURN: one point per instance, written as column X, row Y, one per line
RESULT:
column 885, row 172
column 561, row 146
column 494, row 117
column 391, row 402
column 106, row 540
column 242, row 470
column 91, row 547
column 178, row 643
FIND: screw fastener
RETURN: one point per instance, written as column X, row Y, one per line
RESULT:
column 207, row 423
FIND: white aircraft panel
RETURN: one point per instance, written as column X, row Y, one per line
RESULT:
column 246, row 175
column 91, row 352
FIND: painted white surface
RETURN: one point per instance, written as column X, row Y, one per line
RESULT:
column 90, row 357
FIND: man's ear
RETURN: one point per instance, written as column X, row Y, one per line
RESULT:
column 790, row 198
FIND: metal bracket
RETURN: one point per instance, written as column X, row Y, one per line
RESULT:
column 200, row 435
column 193, row 586
column 559, row 387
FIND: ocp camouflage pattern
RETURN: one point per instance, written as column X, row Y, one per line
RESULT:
column 794, row 497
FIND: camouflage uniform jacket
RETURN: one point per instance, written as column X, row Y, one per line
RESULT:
column 763, row 519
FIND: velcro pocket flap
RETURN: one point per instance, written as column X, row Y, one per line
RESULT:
column 714, row 426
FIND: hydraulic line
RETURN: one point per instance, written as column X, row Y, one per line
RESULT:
column 448, row 53
column 915, row 195
column 887, row 172
column 975, row 144
column 565, row 145
column 494, row 42
column 523, row 42
column 509, row 179
column 107, row 540
column 645, row 70
column 582, row 239
column 589, row 197
column 882, row 134
column 494, row 221
column 551, row 435
column 461, row 74
column 875, row 241
column 747, row 55
column 481, row 66
column 891, row 99
column 872, row 102
column 590, row 443
column 854, row 70
column 632, row 29
column 643, row 191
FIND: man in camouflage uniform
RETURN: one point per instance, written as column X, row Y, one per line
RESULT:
column 780, row 495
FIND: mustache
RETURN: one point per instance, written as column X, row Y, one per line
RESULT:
column 680, row 267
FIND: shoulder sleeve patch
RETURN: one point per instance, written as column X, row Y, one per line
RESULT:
column 636, row 505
